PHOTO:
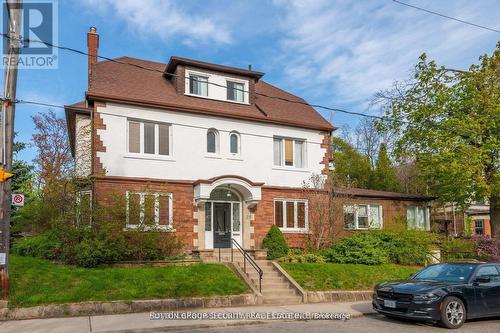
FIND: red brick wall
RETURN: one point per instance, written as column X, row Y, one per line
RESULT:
column 264, row 215
column 183, row 208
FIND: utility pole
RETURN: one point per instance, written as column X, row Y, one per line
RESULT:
column 14, row 8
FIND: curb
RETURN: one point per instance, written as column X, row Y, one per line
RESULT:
column 339, row 296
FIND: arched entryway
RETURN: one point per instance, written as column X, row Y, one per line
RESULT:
column 223, row 216
column 224, row 206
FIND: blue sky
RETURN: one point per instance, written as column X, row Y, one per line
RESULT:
column 335, row 53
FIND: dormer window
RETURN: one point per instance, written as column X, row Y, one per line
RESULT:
column 198, row 85
column 235, row 91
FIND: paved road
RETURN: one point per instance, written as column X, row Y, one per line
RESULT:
column 371, row 323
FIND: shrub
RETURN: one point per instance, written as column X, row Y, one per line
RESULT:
column 275, row 243
column 458, row 248
column 488, row 248
column 305, row 257
column 45, row 246
column 406, row 247
column 94, row 252
column 361, row 248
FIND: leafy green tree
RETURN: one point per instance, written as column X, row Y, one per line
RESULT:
column 23, row 179
column 448, row 121
column 384, row 176
column 350, row 167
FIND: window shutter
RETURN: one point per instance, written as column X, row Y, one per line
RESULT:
column 230, row 91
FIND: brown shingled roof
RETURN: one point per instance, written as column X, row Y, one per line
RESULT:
column 117, row 82
column 365, row 193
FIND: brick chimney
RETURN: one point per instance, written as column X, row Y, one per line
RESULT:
column 92, row 46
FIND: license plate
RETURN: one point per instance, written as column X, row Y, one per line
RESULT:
column 389, row 303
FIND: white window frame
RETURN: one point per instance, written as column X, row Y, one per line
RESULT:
column 295, row 214
column 294, row 140
column 244, row 92
column 217, row 142
column 369, row 211
column 475, row 226
column 157, row 138
column 238, row 136
column 426, row 215
column 78, row 207
column 199, row 75
column 142, row 194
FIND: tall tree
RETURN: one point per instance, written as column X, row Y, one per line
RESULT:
column 53, row 161
column 449, row 122
column 385, row 177
column 350, row 167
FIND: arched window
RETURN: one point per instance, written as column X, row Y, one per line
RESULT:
column 212, row 141
column 234, row 143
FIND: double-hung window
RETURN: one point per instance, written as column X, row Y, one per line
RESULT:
column 418, row 218
column 291, row 214
column 149, row 210
column 235, row 91
column 289, row 152
column 479, row 227
column 198, row 85
column 359, row 217
column 148, row 138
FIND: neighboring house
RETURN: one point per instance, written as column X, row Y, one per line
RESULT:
column 454, row 221
column 369, row 209
column 212, row 151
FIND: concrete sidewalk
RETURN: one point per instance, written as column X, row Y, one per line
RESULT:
column 141, row 322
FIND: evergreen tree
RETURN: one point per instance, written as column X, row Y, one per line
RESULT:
column 385, row 177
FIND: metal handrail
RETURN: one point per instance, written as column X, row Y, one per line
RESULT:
column 250, row 260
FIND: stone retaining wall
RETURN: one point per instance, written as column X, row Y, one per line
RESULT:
column 339, row 296
column 120, row 307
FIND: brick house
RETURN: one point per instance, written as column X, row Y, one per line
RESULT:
column 454, row 221
column 213, row 151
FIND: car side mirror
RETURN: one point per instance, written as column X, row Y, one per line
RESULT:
column 411, row 276
column 482, row 279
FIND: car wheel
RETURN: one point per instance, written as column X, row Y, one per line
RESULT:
column 453, row 313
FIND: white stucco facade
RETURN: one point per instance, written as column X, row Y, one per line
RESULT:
column 188, row 158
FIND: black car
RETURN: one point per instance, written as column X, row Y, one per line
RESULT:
column 447, row 294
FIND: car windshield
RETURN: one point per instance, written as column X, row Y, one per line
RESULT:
column 446, row 272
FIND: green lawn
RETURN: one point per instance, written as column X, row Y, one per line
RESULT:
column 36, row 281
column 330, row 276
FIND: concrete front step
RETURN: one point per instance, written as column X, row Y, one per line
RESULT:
column 282, row 292
column 280, row 300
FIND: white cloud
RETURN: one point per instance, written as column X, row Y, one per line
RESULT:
column 352, row 49
column 165, row 19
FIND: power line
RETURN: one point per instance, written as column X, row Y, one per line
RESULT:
column 448, row 17
column 65, row 48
